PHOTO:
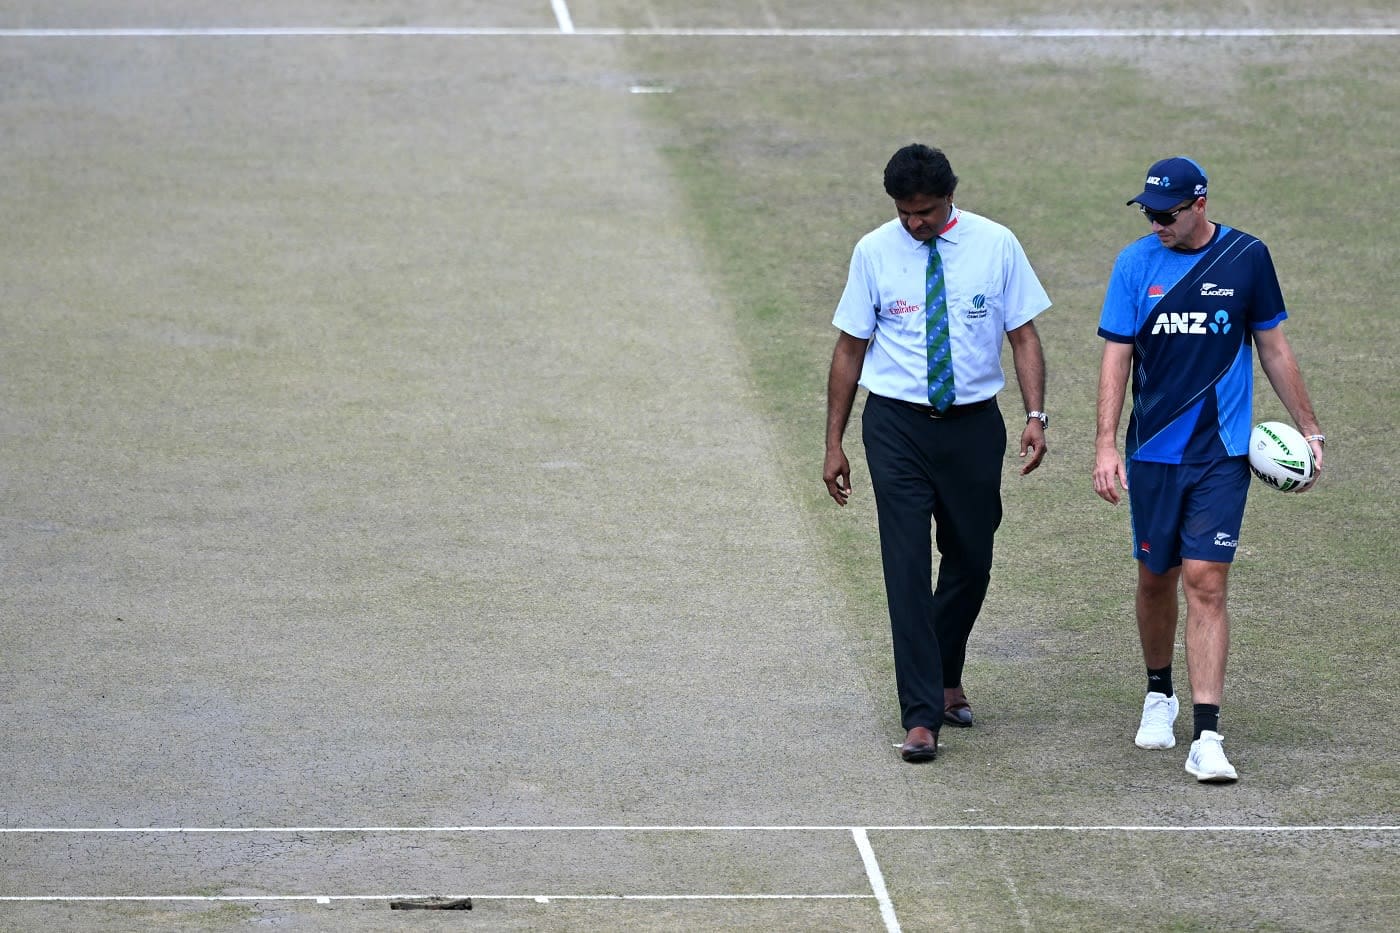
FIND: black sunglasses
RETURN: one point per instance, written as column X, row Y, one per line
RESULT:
column 1165, row 218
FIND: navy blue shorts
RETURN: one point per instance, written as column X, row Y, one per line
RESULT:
column 1187, row 510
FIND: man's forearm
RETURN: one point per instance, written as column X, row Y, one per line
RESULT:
column 1281, row 367
column 1029, row 359
column 1113, row 388
column 846, row 362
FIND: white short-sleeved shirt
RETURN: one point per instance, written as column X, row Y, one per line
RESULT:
column 991, row 289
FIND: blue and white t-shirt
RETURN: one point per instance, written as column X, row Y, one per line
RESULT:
column 1188, row 315
column 990, row 286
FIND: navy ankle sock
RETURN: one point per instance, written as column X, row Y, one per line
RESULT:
column 1159, row 680
column 1207, row 716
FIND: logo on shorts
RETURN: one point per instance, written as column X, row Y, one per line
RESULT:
column 1224, row 539
column 1145, row 546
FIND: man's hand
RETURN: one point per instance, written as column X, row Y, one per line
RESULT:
column 837, row 474
column 1315, row 443
column 1032, row 441
column 1109, row 474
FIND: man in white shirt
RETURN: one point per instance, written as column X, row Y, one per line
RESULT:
column 927, row 300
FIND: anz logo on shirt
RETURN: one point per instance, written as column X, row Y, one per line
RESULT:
column 978, row 309
column 1192, row 322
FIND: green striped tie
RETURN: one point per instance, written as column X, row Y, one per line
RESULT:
column 940, row 350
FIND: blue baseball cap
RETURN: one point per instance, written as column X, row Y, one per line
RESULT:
column 1171, row 181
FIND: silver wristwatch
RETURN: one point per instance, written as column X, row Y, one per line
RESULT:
column 1040, row 416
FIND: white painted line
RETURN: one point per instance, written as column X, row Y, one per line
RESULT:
column 537, row 898
column 660, row 828
column 279, row 32
column 1000, row 33
column 566, row 28
column 1129, row 828
column 545, row 898
column 877, row 880
column 164, row 898
column 561, row 13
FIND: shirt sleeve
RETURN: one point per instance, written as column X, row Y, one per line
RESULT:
column 1118, row 320
column 860, row 302
column 1266, row 308
column 1023, row 296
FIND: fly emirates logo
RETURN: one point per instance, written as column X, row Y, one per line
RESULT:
column 901, row 306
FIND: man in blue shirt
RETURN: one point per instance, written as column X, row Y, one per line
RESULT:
column 1183, row 306
column 928, row 298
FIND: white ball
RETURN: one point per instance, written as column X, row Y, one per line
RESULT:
column 1280, row 457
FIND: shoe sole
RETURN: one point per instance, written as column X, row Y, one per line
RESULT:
column 919, row 755
column 1149, row 745
column 1218, row 777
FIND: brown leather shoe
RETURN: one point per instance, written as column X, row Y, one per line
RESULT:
column 920, row 745
column 956, row 710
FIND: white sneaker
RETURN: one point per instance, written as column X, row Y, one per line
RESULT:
column 1207, row 760
column 1158, row 715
